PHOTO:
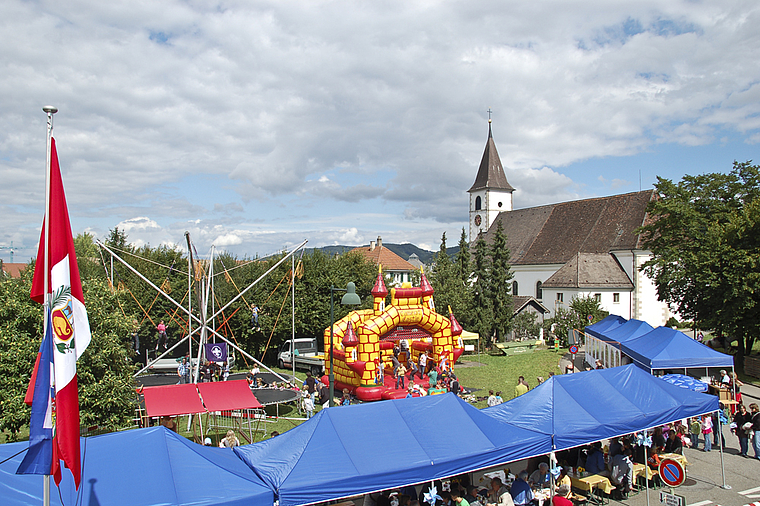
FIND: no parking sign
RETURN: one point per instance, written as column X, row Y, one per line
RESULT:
column 672, row 472
column 574, row 349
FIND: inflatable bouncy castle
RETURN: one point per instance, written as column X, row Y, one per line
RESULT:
column 364, row 340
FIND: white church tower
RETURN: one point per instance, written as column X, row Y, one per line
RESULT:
column 490, row 194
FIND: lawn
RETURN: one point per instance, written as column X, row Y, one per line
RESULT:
column 499, row 373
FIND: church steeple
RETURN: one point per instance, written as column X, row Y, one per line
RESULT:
column 491, row 173
column 491, row 193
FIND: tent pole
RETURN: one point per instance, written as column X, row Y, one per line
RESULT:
column 552, row 465
column 722, row 468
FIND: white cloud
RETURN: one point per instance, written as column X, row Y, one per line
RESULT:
column 291, row 110
column 137, row 224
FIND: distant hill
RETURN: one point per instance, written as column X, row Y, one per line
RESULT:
column 402, row 250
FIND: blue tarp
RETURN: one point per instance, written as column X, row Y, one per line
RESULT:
column 141, row 467
column 628, row 330
column 580, row 408
column 611, row 322
column 684, row 381
column 350, row 450
column 666, row 348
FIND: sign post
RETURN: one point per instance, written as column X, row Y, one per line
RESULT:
column 672, row 472
column 669, row 499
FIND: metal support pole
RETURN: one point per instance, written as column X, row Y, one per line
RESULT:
column 720, row 441
column 293, row 315
column 332, row 345
column 49, row 110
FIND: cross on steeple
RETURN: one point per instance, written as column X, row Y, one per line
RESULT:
column 489, row 114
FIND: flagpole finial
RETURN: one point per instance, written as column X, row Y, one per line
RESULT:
column 50, row 109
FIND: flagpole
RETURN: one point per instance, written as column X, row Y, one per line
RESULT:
column 49, row 110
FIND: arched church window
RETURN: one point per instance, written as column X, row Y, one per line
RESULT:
column 539, row 291
column 514, row 287
column 478, row 203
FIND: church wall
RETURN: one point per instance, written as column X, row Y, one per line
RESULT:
column 646, row 307
column 527, row 276
column 607, row 303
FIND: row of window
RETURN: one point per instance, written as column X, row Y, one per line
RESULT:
column 560, row 295
column 597, row 297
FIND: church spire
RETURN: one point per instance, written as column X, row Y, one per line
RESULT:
column 491, row 173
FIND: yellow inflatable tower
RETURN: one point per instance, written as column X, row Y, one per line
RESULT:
column 364, row 340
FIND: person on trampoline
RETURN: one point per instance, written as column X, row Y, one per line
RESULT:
column 161, row 328
column 255, row 318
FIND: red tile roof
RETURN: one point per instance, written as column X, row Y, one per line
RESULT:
column 14, row 269
column 385, row 257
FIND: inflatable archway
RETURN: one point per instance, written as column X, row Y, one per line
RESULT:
column 364, row 338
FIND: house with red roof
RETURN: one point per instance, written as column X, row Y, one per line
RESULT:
column 398, row 269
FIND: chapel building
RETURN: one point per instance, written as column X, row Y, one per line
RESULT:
column 586, row 247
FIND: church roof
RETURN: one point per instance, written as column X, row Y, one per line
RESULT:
column 590, row 270
column 554, row 234
column 491, row 173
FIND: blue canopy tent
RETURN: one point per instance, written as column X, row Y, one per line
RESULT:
column 576, row 409
column 344, row 451
column 628, row 330
column 666, row 348
column 141, row 467
column 611, row 322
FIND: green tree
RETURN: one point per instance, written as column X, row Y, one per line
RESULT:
column 526, row 325
column 463, row 276
column 443, row 280
column 500, row 283
column 705, row 242
column 482, row 302
column 582, row 307
column 106, row 389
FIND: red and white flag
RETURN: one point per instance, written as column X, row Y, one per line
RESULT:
column 70, row 326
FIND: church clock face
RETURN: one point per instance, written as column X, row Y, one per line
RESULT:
column 478, row 220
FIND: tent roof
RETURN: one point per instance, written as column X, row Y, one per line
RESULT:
column 142, row 467
column 197, row 398
column 172, row 400
column 666, row 348
column 628, row 330
column 611, row 322
column 412, row 440
column 227, row 395
column 593, row 405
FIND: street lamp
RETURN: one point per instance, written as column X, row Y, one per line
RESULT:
column 349, row 299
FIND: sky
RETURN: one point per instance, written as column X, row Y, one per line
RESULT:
column 254, row 125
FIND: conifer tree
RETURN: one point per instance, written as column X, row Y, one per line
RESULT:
column 500, row 284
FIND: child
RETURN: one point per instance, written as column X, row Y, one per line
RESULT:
column 694, row 430
column 499, row 400
column 380, row 376
column 707, row 428
column 308, row 403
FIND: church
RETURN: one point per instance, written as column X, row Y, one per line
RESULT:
column 559, row 251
